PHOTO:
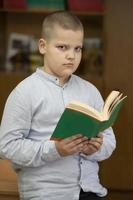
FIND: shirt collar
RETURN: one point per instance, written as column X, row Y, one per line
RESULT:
column 50, row 77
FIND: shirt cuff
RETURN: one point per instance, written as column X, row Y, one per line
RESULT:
column 50, row 152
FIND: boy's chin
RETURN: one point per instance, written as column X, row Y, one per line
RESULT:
column 68, row 72
column 67, row 75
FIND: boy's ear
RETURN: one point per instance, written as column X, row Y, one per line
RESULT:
column 42, row 46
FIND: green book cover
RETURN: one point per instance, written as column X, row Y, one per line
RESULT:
column 73, row 122
column 50, row 4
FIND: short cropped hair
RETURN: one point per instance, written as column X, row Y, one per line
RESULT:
column 63, row 19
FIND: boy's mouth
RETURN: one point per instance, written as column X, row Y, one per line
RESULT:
column 68, row 64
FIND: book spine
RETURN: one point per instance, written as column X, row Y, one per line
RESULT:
column 51, row 4
column 86, row 5
column 14, row 4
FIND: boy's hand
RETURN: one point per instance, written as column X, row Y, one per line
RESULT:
column 93, row 145
column 71, row 145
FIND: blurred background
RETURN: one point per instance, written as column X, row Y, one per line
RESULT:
column 107, row 62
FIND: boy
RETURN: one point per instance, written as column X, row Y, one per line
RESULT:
column 49, row 170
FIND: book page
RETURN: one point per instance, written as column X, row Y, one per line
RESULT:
column 117, row 105
column 86, row 109
column 109, row 104
column 114, row 102
column 112, row 96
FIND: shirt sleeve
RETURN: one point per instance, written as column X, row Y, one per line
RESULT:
column 109, row 140
column 15, row 143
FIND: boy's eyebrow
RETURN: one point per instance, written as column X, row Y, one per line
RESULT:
column 61, row 43
column 68, row 45
column 80, row 45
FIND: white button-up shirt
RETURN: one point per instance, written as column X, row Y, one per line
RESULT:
column 30, row 116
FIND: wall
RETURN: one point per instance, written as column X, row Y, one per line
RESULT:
column 117, row 172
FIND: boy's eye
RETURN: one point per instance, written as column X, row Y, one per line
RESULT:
column 62, row 47
column 78, row 49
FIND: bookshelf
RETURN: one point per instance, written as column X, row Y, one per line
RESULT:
column 19, row 21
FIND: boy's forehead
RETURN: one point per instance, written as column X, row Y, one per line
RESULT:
column 58, row 29
column 61, row 33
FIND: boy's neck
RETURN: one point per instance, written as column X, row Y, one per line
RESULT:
column 62, row 81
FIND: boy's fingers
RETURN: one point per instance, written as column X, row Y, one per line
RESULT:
column 77, row 147
column 73, row 138
column 96, row 143
column 100, row 135
column 74, row 144
column 78, row 141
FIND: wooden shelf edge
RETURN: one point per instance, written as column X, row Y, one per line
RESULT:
column 47, row 11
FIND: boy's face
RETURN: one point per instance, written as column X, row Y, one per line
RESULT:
column 62, row 52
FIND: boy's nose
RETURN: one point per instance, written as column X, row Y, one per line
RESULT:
column 70, row 54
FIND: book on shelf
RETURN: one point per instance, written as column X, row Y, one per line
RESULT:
column 14, row 4
column 86, row 5
column 42, row 4
column 84, row 119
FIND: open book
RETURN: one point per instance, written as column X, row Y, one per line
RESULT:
column 81, row 118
